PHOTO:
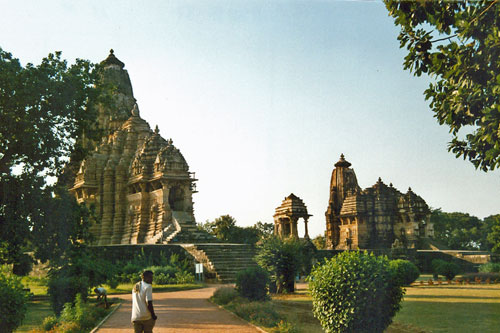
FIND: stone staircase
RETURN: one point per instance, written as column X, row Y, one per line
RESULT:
column 186, row 231
column 222, row 261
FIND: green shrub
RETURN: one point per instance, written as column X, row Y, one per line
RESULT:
column 404, row 272
column 491, row 267
column 448, row 269
column 483, row 276
column 13, row 301
column 162, row 279
column 184, row 277
column 354, row 292
column 63, row 289
column 224, row 295
column 49, row 323
column 259, row 313
column 252, row 283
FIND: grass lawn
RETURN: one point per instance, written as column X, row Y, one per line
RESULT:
column 37, row 311
column 456, row 308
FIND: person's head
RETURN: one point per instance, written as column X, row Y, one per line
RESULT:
column 147, row 276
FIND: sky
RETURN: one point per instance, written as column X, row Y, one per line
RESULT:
column 262, row 97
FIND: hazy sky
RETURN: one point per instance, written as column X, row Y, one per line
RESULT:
column 262, row 97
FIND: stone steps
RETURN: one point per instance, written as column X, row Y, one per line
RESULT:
column 223, row 261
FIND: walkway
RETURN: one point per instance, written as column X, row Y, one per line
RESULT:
column 180, row 311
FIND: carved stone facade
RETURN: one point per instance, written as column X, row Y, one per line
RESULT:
column 377, row 217
column 285, row 219
column 139, row 182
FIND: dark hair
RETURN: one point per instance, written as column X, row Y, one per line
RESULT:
column 147, row 273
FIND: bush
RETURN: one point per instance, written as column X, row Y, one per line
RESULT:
column 491, row 267
column 63, row 289
column 49, row 323
column 252, row 283
column 259, row 313
column 184, row 277
column 404, row 272
column 448, row 269
column 13, row 301
column 224, row 295
column 354, row 292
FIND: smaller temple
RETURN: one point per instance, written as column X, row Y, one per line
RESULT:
column 285, row 219
column 376, row 217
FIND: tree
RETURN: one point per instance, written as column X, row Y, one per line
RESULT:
column 320, row 242
column 493, row 236
column 282, row 259
column 226, row 230
column 458, row 231
column 457, row 43
column 45, row 114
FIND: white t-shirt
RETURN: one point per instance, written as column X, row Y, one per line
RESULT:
column 140, row 301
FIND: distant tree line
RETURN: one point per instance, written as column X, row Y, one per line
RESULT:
column 461, row 231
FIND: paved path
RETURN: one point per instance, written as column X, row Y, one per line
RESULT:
column 180, row 311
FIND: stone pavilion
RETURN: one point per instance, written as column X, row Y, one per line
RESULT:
column 287, row 215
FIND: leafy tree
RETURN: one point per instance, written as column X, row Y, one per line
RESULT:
column 493, row 236
column 283, row 259
column 320, row 242
column 226, row 230
column 457, row 43
column 355, row 292
column 264, row 229
column 45, row 120
column 458, row 231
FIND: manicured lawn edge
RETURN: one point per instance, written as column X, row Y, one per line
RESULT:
column 236, row 316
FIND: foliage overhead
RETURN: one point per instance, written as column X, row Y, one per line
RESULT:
column 457, row 43
column 46, row 119
column 354, row 292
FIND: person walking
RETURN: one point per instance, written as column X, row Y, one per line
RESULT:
column 143, row 313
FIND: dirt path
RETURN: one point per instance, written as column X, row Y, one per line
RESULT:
column 180, row 311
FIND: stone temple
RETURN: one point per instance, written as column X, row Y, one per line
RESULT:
column 377, row 217
column 139, row 182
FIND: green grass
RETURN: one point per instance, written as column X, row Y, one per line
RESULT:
column 455, row 308
column 37, row 311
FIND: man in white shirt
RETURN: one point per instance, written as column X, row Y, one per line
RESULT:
column 143, row 313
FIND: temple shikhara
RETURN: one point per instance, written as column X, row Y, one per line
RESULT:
column 377, row 217
column 138, row 181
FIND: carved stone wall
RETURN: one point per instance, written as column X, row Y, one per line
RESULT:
column 135, row 178
column 377, row 217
